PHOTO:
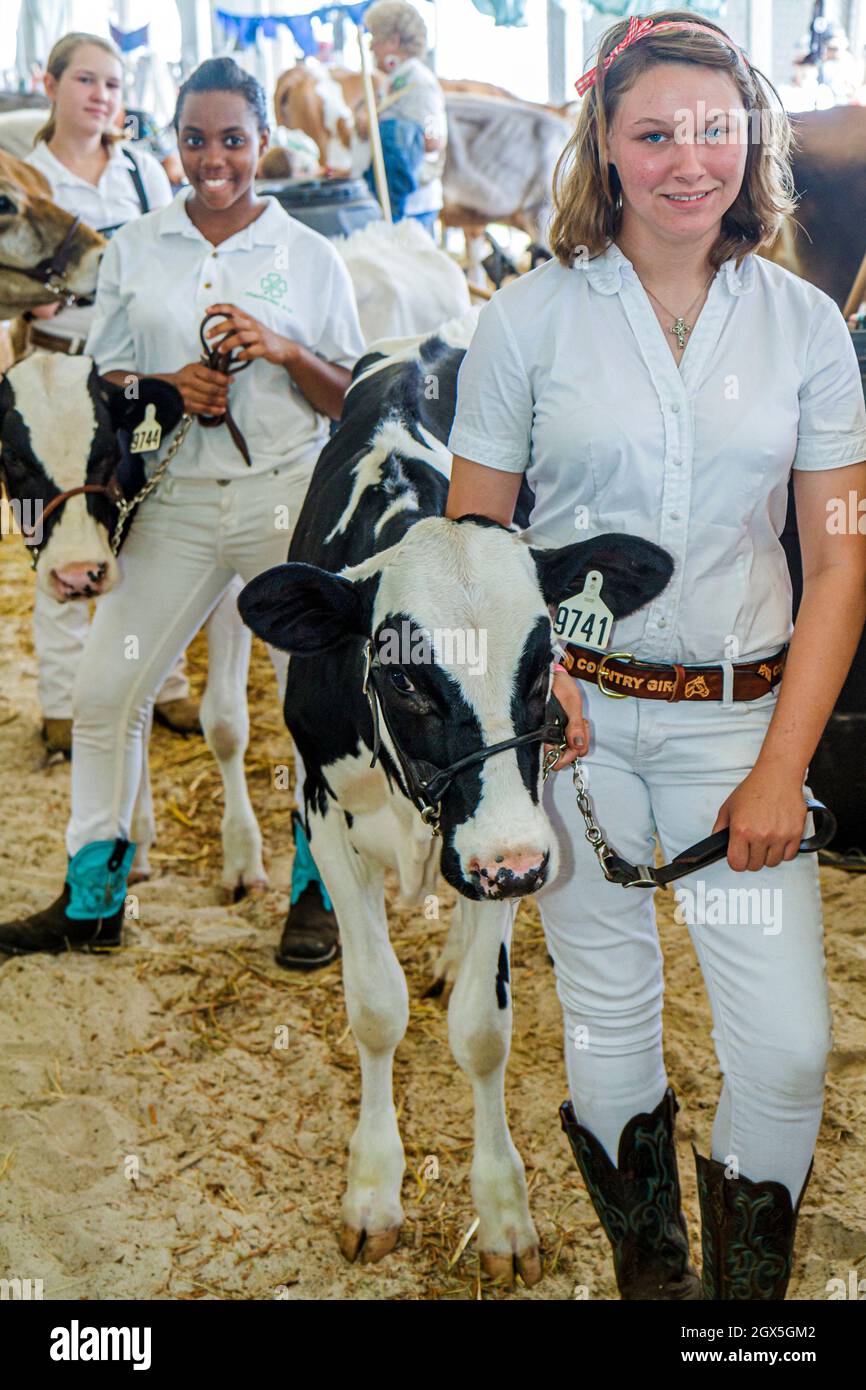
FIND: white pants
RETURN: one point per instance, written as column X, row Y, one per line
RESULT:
column 187, row 543
column 668, row 768
column 59, row 634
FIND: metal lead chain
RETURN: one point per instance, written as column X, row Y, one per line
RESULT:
column 584, row 805
column 126, row 507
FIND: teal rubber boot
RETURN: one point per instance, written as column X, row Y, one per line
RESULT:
column 88, row 915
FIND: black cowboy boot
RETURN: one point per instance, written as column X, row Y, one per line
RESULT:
column 311, row 936
column 638, row 1203
column 747, row 1234
column 88, row 915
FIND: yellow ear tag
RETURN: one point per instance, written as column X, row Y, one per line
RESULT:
column 585, row 619
column 146, row 436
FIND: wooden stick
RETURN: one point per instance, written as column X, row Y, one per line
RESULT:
column 480, row 292
column 375, row 138
column 858, row 291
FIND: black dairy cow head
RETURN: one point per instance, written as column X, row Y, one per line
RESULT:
column 61, row 426
column 458, row 615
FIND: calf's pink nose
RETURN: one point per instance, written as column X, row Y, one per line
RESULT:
column 509, row 873
column 80, row 580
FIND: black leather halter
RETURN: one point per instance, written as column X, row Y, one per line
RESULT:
column 426, row 784
column 51, row 268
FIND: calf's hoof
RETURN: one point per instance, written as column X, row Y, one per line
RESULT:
column 57, row 736
column 311, row 936
column 181, row 716
column 368, row 1246
column 245, row 888
column 504, row 1268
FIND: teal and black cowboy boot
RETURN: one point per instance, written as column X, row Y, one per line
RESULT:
column 638, row 1203
column 88, row 915
column 310, row 937
column 747, row 1234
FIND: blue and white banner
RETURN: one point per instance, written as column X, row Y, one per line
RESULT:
column 244, row 29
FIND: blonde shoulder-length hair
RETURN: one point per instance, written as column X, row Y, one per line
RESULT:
column 586, row 188
column 59, row 59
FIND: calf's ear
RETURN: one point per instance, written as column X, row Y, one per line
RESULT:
column 127, row 404
column 302, row 609
column 633, row 570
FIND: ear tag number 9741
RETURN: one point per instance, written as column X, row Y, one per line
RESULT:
column 585, row 619
column 146, row 436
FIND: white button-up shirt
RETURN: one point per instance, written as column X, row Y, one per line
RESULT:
column 158, row 277
column 108, row 203
column 570, row 379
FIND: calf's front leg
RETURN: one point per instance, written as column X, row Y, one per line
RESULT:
column 479, row 1028
column 225, row 723
column 377, row 1002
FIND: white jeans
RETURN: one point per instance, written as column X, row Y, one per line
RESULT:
column 186, row 545
column 59, row 634
column 668, row 768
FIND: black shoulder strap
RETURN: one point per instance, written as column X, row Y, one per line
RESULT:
column 135, row 175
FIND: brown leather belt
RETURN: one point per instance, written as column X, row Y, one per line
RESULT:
column 619, row 674
column 55, row 343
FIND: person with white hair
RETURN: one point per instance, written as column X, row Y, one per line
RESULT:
column 412, row 112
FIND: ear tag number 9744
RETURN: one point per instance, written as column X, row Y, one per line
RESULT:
column 146, row 436
column 585, row 619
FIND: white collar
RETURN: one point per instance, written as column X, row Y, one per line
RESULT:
column 264, row 231
column 611, row 269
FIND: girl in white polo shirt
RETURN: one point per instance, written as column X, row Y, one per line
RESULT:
column 230, row 498
column 660, row 379
column 92, row 172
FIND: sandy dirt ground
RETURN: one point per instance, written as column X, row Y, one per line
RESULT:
column 174, row 1117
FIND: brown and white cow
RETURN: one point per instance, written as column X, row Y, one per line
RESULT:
column 42, row 254
column 825, row 244
column 501, row 151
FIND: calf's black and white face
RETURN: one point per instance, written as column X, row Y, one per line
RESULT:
column 480, row 676
column 61, row 426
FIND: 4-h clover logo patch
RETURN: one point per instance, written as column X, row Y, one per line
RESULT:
column 273, row 287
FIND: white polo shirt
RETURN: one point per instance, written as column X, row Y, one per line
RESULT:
column 111, row 201
column 569, row 378
column 158, row 277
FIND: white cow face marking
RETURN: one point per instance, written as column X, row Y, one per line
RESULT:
column 53, row 399
column 482, row 679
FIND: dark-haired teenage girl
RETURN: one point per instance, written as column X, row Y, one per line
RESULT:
column 92, row 172
column 289, row 310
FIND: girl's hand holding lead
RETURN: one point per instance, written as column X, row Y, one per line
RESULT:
column 204, row 391
column 567, row 692
column 765, row 815
column 247, row 337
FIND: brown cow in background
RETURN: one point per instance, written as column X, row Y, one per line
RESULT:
column 32, row 229
column 827, row 246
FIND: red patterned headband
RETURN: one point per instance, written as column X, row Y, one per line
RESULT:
column 638, row 29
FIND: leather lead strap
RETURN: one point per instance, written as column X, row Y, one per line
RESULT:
column 223, row 362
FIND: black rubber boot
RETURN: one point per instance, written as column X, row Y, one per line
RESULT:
column 88, row 915
column 311, row 936
column 638, row 1203
column 747, row 1234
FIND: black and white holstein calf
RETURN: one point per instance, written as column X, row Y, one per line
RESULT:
column 380, row 582
column 63, row 427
